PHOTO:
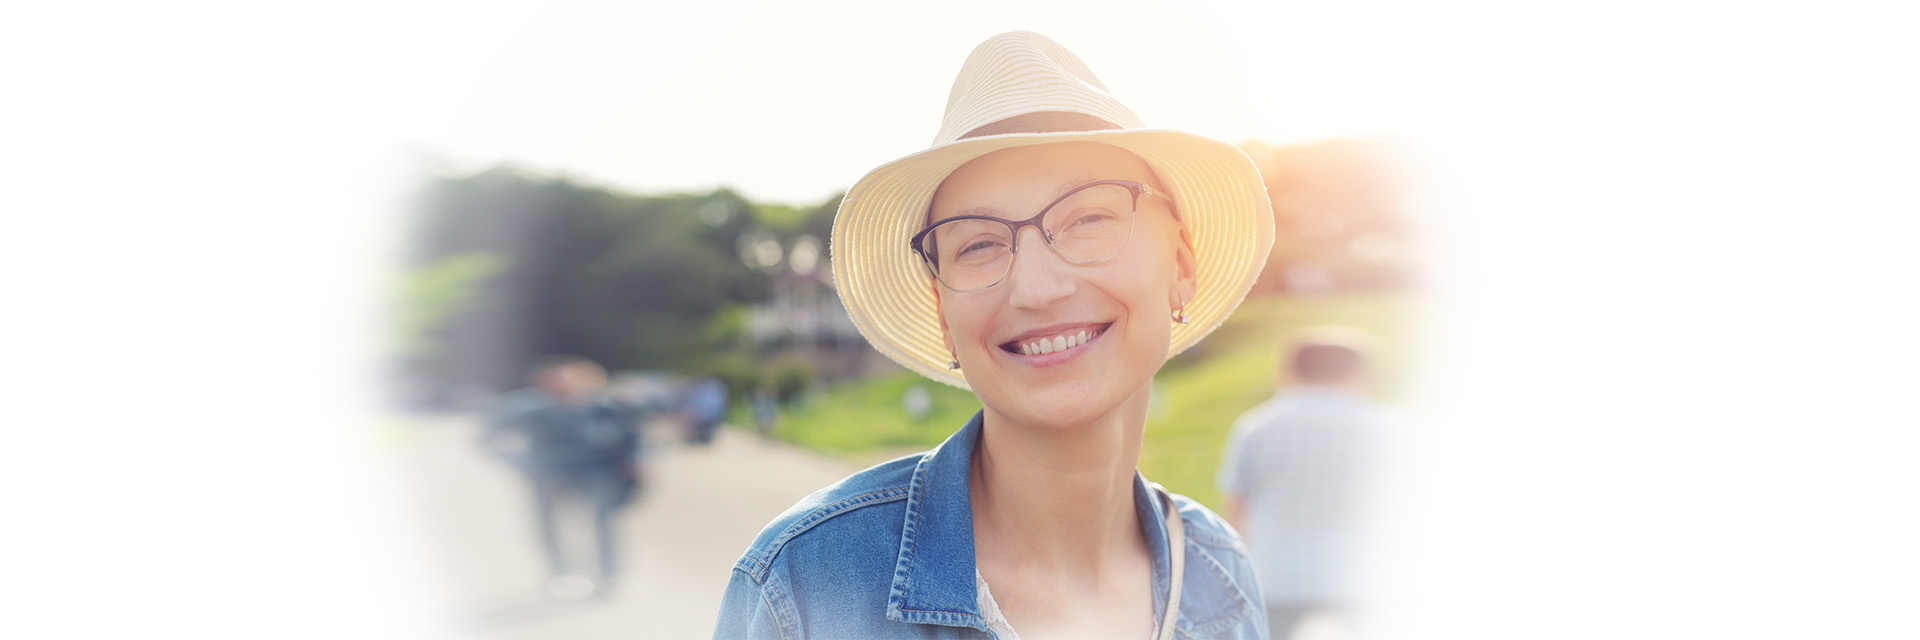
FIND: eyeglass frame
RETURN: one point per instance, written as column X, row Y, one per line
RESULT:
column 1013, row 247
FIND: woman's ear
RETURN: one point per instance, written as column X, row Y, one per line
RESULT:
column 1186, row 268
column 940, row 315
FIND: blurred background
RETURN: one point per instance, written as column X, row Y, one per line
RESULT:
column 508, row 261
column 1642, row 273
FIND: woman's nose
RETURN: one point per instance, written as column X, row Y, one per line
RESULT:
column 1038, row 275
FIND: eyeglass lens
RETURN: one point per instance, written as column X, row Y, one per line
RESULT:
column 1088, row 225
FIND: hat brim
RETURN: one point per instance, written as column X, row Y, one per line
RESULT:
column 890, row 297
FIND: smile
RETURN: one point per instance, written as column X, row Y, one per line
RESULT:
column 1054, row 343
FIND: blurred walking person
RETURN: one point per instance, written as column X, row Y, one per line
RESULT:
column 766, row 409
column 1295, row 475
column 704, row 408
column 575, row 445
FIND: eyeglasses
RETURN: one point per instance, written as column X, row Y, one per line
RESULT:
column 1089, row 224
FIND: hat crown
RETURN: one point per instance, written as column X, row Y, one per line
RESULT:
column 1020, row 73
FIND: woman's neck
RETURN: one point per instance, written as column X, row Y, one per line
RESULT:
column 1058, row 500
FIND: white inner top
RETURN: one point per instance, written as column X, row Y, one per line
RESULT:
column 996, row 621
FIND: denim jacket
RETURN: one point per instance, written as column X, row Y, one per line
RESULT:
column 888, row 553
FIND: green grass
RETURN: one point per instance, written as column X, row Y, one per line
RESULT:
column 867, row 421
column 1197, row 395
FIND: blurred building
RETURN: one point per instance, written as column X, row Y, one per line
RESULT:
column 803, row 319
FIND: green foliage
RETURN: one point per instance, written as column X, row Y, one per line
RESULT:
column 819, row 221
column 634, row 282
column 781, row 220
column 790, row 376
column 739, row 372
column 431, row 294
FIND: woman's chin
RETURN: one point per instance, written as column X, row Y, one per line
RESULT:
column 1067, row 399
column 1060, row 412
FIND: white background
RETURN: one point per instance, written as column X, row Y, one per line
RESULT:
column 1670, row 369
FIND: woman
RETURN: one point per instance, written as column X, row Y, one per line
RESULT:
column 1048, row 253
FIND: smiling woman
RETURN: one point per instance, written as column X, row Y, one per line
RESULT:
column 1119, row 302
column 1031, row 519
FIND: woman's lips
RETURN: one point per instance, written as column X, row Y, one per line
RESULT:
column 1054, row 343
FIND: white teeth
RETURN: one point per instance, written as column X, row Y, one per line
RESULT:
column 1056, row 344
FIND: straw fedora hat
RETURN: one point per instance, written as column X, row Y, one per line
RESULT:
column 1021, row 89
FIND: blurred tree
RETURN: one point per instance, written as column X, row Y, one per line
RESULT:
column 634, row 282
column 432, row 294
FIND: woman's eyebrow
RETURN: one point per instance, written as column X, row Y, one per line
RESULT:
column 996, row 213
column 1064, row 186
column 982, row 211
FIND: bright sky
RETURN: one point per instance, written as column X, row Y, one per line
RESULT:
column 1671, row 270
column 792, row 101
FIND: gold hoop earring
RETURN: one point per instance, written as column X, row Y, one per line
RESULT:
column 1180, row 314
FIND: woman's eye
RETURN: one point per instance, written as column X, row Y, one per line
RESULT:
column 1091, row 218
column 976, row 247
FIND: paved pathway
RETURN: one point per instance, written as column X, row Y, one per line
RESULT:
column 703, row 505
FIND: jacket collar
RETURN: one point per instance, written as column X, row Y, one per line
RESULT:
column 933, row 580
column 934, row 574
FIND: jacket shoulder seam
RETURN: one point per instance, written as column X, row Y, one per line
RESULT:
column 756, row 561
column 1211, row 538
